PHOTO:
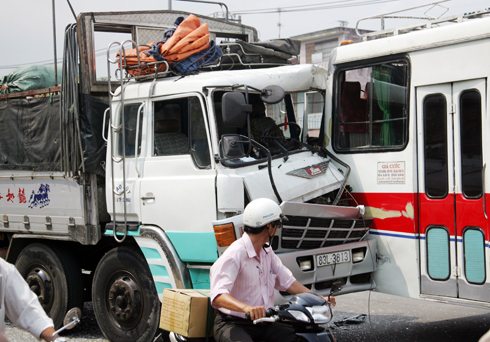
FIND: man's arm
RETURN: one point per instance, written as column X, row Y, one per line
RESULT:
column 297, row 287
column 3, row 338
column 226, row 301
column 47, row 333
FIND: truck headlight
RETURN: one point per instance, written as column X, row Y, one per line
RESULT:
column 305, row 263
column 358, row 254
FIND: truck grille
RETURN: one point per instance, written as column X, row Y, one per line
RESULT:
column 308, row 233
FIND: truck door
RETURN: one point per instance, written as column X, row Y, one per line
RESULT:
column 452, row 214
column 178, row 189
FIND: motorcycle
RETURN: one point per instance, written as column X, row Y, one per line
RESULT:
column 308, row 313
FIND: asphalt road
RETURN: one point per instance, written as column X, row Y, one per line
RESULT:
column 392, row 318
column 388, row 318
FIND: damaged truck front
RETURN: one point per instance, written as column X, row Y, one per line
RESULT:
column 265, row 151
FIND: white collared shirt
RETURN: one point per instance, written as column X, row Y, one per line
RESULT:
column 19, row 303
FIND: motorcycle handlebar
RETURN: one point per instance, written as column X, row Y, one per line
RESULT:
column 268, row 313
column 265, row 319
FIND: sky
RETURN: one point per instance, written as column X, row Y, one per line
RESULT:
column 26, row 26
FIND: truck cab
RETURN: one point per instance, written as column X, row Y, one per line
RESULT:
column 190, row 171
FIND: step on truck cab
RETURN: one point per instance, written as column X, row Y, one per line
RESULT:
column 146, row 184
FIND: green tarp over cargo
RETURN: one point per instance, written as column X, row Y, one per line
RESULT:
column 30, row 137
column 30, row 77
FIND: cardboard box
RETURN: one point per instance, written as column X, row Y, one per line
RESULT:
column 185, row 312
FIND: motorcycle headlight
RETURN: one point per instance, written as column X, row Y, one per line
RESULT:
column 299, row 316
column 320, row 314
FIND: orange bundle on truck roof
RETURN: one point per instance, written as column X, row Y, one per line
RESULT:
column 189, row 38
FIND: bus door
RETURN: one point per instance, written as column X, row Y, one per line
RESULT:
column 452, row 214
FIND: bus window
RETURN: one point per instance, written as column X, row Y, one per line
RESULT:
column 371, row 107
column 474, row 255
column 435, row 146
column 438, row 259
column 471, row 144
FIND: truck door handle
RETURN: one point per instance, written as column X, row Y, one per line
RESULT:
column 145, row 198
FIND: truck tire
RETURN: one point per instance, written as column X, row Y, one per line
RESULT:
column 124, row 296
column 56, row 278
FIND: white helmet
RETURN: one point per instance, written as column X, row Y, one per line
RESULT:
column 260, row 212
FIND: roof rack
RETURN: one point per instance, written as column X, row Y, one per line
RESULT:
column 429, row 23
column 235, row 57
column 143, row 27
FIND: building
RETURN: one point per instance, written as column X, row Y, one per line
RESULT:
column 317, row 46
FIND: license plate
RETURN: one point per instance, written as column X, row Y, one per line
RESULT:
column 332, row 258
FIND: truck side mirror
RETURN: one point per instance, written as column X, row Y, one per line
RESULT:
column 272, row 94
column 234, row 109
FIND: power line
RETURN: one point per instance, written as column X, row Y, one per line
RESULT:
column 313, row 7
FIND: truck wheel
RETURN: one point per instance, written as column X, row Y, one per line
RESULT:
column 124, row 297
column 55, row 276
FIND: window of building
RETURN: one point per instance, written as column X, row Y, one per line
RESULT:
column 371, row 107
column 325, row 48
column 314, row 110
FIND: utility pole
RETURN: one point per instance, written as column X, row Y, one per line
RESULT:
column 279, row 23
column 54, row 44
column 170, row 5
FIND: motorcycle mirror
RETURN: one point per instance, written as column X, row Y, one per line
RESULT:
column 71, row 319
column 336, row 287
column 73, row 315
column 272, row 94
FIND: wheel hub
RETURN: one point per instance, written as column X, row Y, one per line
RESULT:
column 40, row 284
column 125, row 300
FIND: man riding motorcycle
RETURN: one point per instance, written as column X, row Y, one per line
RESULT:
column 243, row 279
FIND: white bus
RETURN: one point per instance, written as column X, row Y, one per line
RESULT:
column 409, row 114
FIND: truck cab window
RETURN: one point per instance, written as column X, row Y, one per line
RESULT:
column 274, row 126
column 130, row 145
column 179, row 129
column 199, row 139
column 371, row 107
column 170, row 129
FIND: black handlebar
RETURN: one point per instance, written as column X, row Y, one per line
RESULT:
column 268, row 313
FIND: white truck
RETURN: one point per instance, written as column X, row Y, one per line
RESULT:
column 115, row 202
